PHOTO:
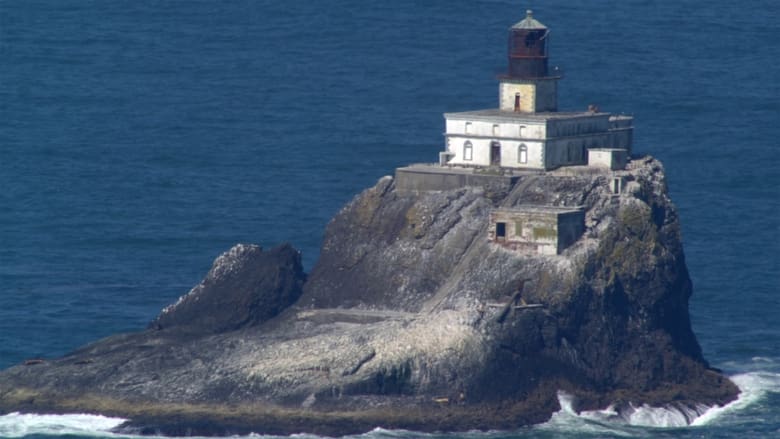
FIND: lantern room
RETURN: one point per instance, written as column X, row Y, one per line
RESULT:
column 528, row 48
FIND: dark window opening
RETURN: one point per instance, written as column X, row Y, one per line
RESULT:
column 530, row 39
column 500, row 231
column 617, row 185
column 517, row 101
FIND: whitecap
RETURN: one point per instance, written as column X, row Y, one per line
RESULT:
column 15, row 425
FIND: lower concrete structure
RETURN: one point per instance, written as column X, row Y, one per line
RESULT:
column 610, row 158
column 421, row 177
column 546, row 230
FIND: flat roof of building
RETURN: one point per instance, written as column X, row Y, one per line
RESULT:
column 435, row 168
column 538, row 208
column 511, row 116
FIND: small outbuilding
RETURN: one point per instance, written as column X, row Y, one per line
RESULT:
column 610, row 158
column 546, row 230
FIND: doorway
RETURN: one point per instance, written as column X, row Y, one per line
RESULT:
column 495, row 154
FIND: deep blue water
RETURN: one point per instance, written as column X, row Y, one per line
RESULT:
column 139, row 139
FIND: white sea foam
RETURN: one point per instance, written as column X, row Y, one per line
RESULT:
column 597, row 422
column 15, row 425
column 381, row 433
column 662, row 417
column 753, row 386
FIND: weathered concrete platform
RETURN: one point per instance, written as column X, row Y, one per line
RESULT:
column 432, row 177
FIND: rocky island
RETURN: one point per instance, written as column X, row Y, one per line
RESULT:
column 538, row 256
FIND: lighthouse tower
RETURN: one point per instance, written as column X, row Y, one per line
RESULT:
column 528, row 86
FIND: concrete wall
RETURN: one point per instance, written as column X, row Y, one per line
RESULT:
column 496, row 129
column 510, row 155
column 622, row 132
column 509, row 152
column 540, row 155
column 552, row 142
column 621, row 139
column 535, row 95
column 570, row 151
column 432, row 178
column 578, row 126
column 609, row 158
column 507, row 92
column 547, row 95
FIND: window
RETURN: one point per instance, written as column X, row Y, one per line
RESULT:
column 500, row 231
column 520, row 130
column 522, row 153
column 496, row 130
column 468, row 151
column 468, row 127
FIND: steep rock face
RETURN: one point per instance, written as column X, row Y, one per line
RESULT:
column 615, row 310
column 385, row 250
column 409, row 321
column 244, row 287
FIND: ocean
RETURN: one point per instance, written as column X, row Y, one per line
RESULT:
column 139, row 139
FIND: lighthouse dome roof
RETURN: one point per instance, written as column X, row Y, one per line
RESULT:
column 529, row 22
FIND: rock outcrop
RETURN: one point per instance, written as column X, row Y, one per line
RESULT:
column 246, row 286
column 410, row 319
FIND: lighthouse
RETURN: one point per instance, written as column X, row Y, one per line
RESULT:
column 526, row 135
column 527, row 131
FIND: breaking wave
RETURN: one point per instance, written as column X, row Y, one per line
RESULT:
column 635, row 420
column 17, row 425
